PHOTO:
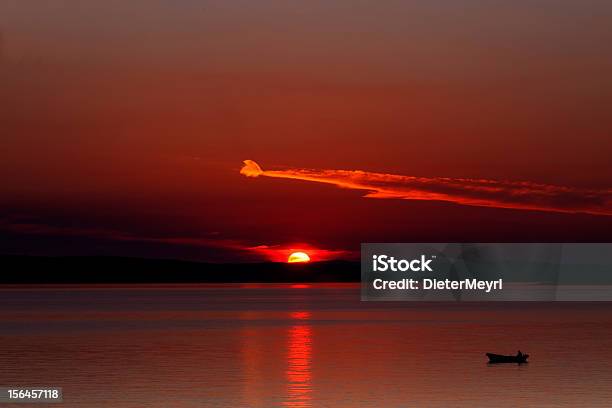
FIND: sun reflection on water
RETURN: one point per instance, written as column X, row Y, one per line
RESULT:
column 299, row 371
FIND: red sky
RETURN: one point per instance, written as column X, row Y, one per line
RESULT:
column 124, row 126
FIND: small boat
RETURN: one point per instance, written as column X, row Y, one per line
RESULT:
column 500, row 358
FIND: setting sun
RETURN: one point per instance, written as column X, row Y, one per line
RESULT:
column 298, row 257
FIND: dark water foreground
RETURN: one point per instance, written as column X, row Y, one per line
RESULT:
column 298, row 346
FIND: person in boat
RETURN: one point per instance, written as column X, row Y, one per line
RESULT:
column 519, row 355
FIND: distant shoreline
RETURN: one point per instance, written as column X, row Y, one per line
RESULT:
column 23, row 269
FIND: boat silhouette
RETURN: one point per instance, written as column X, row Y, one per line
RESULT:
column 519, row 358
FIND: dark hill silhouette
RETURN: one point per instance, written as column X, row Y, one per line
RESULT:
column 102, row 269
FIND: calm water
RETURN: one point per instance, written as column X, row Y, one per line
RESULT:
column 298, row 347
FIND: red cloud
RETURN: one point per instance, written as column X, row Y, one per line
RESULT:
column 521, row 195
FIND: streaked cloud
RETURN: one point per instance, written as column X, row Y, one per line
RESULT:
column 520, row 195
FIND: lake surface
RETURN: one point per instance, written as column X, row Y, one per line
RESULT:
column 298, row 346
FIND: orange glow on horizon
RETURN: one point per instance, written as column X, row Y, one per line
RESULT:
column 282, row 253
